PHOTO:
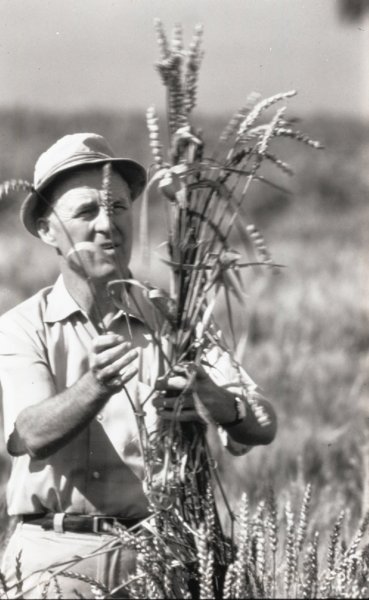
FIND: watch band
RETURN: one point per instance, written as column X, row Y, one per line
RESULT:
column 240, row 410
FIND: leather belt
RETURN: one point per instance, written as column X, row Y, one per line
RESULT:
column 61, row 522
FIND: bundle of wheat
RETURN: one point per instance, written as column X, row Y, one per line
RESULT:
column 182, row 551
column 202, row 199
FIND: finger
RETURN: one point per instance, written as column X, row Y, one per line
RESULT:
column 187, row 370
column 125, row 360
column 180, row 370
column 175, row 383
column 110, row 356
column 112, row 383
column 113, row 369
column 161, row 383
column 117, row 381
column 107, row 340
column 128, row 373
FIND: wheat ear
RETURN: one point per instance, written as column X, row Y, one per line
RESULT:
column 303, row 520
column 155, row 145
column 243, row 540
column 290, row 570
column 206, row 565
column 310, row 569
column 272, row 528
column 193, row 63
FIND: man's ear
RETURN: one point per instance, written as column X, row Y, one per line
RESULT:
column 45, row 231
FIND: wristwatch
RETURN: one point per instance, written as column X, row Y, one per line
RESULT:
column 240, row 409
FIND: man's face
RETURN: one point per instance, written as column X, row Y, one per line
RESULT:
column 79, row 216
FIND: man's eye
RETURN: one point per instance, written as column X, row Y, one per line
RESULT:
column 120, row 206
column 86, row 212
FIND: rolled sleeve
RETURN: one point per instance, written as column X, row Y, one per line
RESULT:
column 229, row 375
column 25, row 376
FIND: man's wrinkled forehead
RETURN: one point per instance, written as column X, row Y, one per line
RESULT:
column 90, row 180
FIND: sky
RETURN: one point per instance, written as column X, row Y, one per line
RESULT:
column 80, row 54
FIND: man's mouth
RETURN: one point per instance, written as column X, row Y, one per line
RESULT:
column 109, row 245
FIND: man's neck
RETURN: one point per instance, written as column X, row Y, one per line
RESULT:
column 92, row 296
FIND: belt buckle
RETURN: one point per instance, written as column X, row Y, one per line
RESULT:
column 97, row 519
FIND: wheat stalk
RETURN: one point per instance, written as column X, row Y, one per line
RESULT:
column 272, row 528
column 193, row 63
column 303, row 520
column 14, row 185
column 155, row 145
column 203, row 202
column 333, row 542
column 239, row 570
column 206, row 565
column 310, row 569
column 290, row 571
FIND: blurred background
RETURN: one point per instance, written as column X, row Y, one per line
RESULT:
column 72, row 65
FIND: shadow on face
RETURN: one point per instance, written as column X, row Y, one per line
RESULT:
column 79, row 216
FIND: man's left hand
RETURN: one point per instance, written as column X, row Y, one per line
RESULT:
column 179, row 393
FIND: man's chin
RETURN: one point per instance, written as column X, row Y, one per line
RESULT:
column 96, row 266
column 104, row 274
column 107, row 272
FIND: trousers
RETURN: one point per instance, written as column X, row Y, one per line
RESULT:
column 47, row 564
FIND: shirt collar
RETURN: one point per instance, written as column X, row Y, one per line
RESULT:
column 60, row 304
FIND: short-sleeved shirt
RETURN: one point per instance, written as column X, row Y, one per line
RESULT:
column 44, row 345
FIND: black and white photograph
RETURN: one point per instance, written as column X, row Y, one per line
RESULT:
column 184, row 317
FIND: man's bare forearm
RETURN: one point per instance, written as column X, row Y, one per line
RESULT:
column 45, row 427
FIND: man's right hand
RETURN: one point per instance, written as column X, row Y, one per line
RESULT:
column 42, row 428
column 112, row 360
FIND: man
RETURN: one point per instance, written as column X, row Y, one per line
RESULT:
column 73, row 369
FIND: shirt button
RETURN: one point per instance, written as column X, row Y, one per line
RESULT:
column 100, row 417
column 96, row 475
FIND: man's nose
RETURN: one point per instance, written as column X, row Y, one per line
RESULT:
column 103, row 221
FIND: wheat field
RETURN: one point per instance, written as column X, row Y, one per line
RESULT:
column 308, row 324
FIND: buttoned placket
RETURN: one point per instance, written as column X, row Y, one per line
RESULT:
column 93, row 474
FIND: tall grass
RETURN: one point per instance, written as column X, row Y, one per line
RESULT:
column 308, row 340
column 308, row 346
